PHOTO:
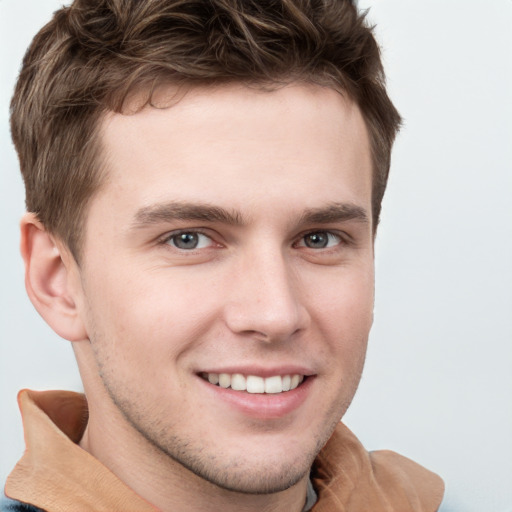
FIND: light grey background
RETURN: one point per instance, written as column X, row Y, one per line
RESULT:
column 438, row 380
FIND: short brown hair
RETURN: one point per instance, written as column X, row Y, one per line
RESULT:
column 93, row 54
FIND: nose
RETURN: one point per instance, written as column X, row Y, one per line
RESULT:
column 265, row 299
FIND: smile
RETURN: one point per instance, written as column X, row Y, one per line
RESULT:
column 253, row 383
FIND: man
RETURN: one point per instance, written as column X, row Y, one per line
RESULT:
column 203, row 184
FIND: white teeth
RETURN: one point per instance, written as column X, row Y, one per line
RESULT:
column 224, row 380
column 274, row 384
column 253, row 383
column 238, row 382
column 295, row 381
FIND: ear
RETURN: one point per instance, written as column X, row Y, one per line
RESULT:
column 51, row 274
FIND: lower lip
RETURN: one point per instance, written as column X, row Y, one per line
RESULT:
column 262, row 405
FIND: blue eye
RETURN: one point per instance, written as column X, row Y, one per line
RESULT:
column 189, row 240
column 320, row 240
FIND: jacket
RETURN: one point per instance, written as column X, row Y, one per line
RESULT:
column 56, row 475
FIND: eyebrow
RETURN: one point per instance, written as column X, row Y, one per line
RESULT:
column 168, row 212
column 172, row 211
column 335, row 212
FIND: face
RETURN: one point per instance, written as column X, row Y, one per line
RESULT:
column 227, row 278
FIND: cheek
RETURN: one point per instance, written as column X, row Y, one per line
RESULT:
column 344, row 316
column 150, row 321
column 346, row 302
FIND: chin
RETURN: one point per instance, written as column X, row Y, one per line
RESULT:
column 258, row 468
column 252, row 477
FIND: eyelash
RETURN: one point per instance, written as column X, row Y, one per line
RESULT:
column 330, row 235
column 342, row 239
column 170, row 236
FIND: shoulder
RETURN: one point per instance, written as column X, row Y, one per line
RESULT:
column 8, row 505
column 392, row 470
column 344, row 472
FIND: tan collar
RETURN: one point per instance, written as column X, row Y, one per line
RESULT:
column 347, row 478
column 55, row 474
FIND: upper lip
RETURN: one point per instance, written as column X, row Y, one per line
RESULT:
column 260, row 371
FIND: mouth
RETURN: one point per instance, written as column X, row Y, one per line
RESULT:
column 255, row 384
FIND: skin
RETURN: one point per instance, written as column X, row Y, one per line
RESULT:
column 147, row 317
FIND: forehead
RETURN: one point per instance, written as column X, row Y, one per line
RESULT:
column 239, row 147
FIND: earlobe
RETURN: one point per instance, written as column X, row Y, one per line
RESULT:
column 48, row 279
